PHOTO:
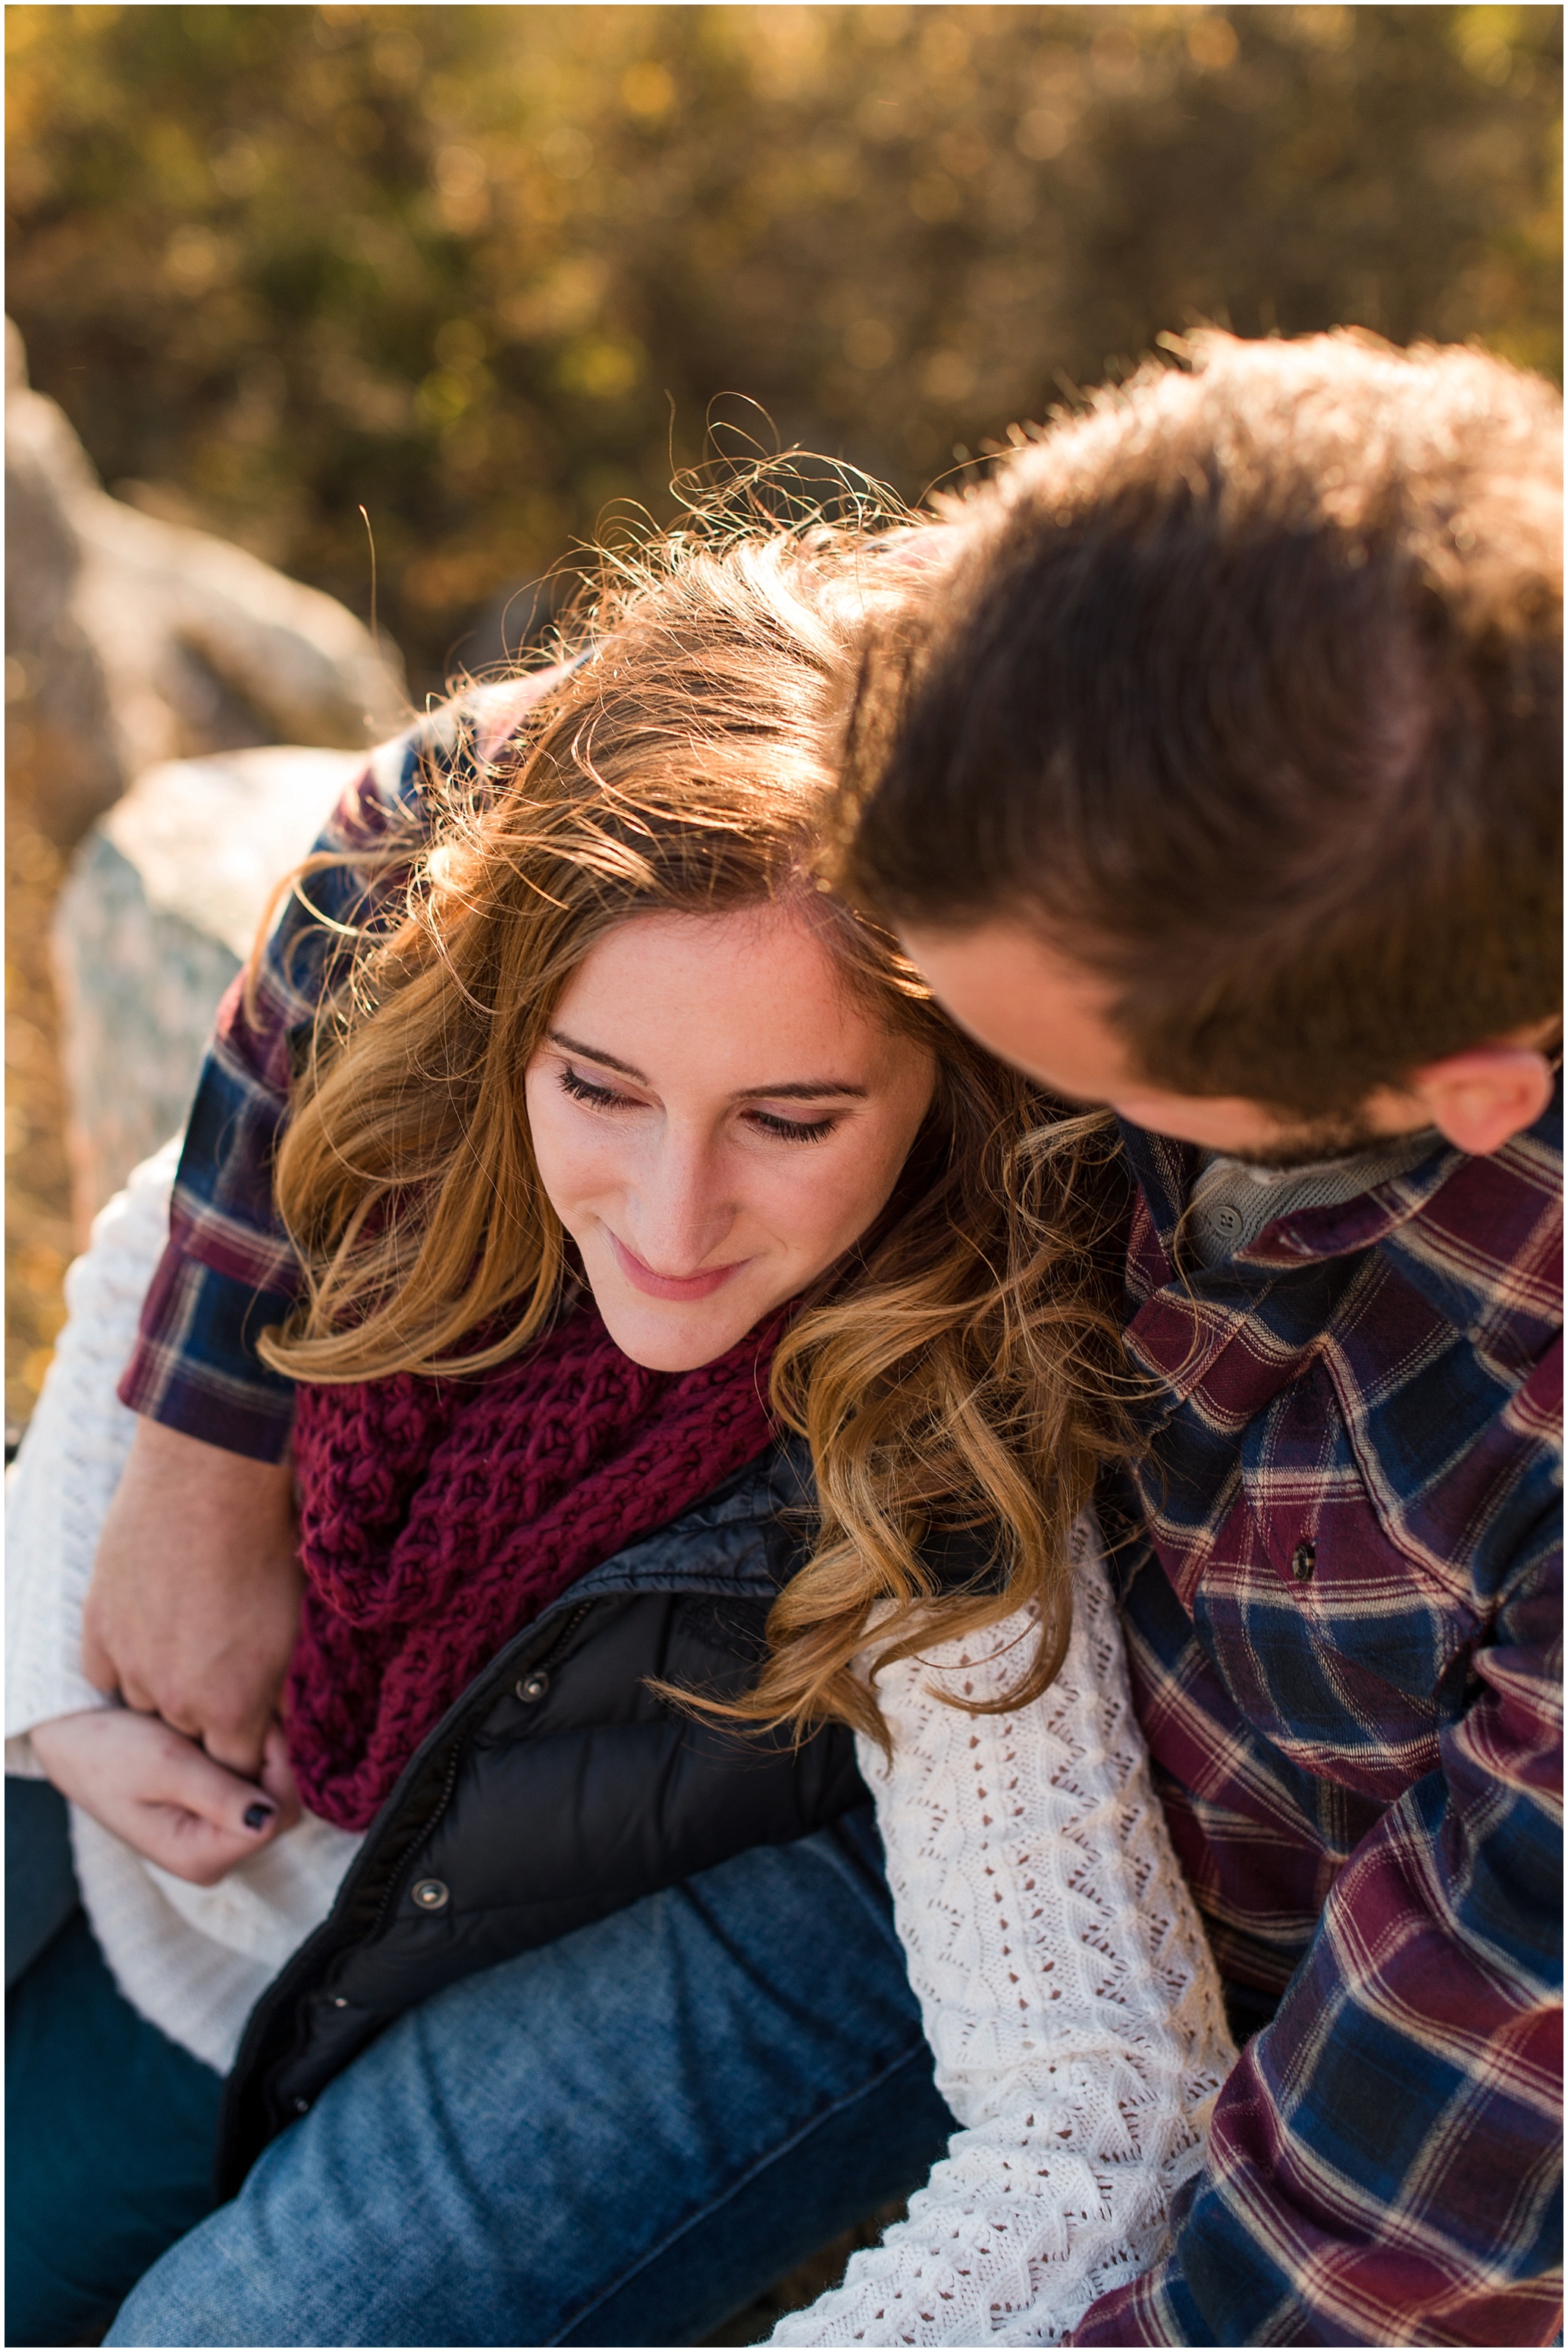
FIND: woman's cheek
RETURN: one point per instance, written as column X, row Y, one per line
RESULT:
column 835, row 1195
column 562, row 1156
column 883, row 1150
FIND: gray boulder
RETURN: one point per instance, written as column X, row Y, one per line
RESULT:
column 172, row 680
column 131, row 641
column 161, row 906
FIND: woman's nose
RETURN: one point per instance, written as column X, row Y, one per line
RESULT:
column 681, row 1206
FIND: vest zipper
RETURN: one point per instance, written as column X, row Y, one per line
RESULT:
column 456, row 1760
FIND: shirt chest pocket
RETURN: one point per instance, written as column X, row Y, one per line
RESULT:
column 1341, row 1644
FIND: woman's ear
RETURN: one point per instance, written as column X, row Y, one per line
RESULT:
column 1479, row 1099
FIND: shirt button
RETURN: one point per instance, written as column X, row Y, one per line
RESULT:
column 533, row 1687
column 1303, row 1560
column 431, row 1893
column 1225, row 1220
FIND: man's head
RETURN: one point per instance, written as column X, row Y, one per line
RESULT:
column 1217, row 773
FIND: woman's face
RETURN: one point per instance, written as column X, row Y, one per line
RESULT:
column 716, row 1118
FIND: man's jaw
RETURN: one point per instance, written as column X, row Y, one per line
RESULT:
column 1309, row 1147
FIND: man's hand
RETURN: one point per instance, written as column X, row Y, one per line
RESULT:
column 157, row 1790
column 195, row 1599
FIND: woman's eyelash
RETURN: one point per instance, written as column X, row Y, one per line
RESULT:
column 583, row 1089
column 788, row 1131
column 794, row 1130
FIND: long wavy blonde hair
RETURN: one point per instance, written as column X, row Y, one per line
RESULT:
column 954, row 1372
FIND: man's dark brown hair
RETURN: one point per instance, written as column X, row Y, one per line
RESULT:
column 1244, row 688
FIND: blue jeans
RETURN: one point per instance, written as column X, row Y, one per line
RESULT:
column 620, row 2139
column 108, row 2124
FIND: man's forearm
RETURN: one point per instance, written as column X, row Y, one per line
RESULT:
column 194, row 1602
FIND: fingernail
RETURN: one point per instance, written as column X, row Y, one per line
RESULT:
column 258, row 1816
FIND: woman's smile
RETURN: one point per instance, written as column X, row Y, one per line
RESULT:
column 645, row 1277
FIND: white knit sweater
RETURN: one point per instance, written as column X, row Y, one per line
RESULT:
column 1064, row 1980
column 194, row 1960
column 1065, row 1983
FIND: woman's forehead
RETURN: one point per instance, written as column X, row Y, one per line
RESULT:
column 751, row 985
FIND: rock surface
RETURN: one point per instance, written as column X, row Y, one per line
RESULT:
column 140, row 650
column 164, row 901
column 131, row 641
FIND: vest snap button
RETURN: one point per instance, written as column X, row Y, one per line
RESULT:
column 338, row 2001
column 302, row 2106
column 431, row 1893
column 1303, row 1560
column 532, row 1687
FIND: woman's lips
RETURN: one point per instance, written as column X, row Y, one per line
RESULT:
column 670, row 1286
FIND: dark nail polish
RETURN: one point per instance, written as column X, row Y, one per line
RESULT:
column 258, row 1816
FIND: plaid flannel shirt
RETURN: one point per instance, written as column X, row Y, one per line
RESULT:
column 1341, row 1597
column 1340, row 1587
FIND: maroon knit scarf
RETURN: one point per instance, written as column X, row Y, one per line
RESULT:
column 439, row 1518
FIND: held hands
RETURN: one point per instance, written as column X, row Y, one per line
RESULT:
column 190, row 1617
column 159, row 1792
column 195, row 1599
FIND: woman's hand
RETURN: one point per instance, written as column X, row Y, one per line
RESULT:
column 163, row 1794
column 195, row 1599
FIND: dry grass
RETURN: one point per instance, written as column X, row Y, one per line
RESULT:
column 40, row 1241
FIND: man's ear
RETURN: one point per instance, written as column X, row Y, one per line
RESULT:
column 1480, row 1099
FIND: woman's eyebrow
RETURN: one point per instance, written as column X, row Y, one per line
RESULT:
column 792, row 1090
column 801, row 1090
column 592, row 1054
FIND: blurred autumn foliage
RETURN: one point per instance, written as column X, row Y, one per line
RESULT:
column 488, row 271
column 484, row 270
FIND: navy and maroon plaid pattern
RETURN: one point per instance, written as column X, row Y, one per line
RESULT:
column 1341, row 1588
column 1341, row 1596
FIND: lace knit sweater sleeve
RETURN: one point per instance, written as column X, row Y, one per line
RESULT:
column 72, row 1459
column 1066, row 1986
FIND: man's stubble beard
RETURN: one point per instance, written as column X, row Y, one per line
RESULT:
column 1328, row 1139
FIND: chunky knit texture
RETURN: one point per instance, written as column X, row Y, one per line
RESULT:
column 439, row 1518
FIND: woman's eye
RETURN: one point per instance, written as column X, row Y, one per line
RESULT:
column 584, row 1090
column 602, row 1098
column 793, row 1130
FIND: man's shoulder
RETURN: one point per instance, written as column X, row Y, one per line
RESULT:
column 453, row 748
column 1486, row 1249
column 440, row 768
column 1396, row 1352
